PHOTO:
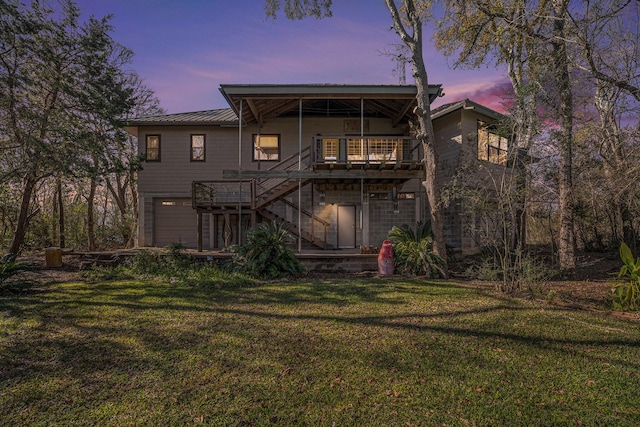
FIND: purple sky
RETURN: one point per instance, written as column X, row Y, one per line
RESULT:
column 184, row 49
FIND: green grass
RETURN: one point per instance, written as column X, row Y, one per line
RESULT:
column 372, row 351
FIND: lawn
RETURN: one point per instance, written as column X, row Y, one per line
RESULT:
column 319, row 351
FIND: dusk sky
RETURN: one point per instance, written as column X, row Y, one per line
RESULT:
column 184, row 49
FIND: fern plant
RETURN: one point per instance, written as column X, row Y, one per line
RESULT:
column 413, row 252
column 626, row 296
column 266, row 254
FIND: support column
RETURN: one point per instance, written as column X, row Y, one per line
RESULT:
column 199, row 215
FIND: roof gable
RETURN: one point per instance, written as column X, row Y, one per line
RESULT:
column 465, row 104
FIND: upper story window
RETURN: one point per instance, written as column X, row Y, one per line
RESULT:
column 266, row 147
column 152, row 148
column 492, row 146
column 197, row 148
column 330, row 147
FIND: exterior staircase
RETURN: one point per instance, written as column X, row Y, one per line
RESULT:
column 268, row 191
column 259, row 195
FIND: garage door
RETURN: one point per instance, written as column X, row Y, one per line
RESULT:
column 174, row 221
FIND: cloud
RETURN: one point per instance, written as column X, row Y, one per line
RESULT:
column 497, row 95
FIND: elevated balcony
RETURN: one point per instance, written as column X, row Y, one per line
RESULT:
column 369, row 152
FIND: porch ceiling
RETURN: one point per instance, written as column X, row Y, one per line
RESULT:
column 264, row 102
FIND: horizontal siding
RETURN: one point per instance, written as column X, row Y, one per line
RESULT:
column 175, row 172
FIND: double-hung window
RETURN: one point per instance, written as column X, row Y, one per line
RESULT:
column 152, row 148
column 198, row 148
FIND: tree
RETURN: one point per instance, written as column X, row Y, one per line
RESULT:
column 62, row 90
column 593, row 43
column 609, row 53
column 564, row 103
column 479, row 31
column 408, row 24
column 519, row 33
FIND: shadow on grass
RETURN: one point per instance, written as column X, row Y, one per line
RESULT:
column 131, row 337
column 68, row 305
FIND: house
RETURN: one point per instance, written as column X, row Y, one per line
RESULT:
column 337, row 163
column 473, row 151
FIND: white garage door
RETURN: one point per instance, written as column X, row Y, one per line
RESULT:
column 175, row 221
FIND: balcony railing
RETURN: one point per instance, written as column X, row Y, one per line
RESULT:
column 374, row 150
column 207, row 194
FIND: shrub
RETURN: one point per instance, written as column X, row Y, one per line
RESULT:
column 176, row 266
column 626, row 296
column 413, row 252
column 513, row 272
column 266, row 254
column 9, row 266
column 175, row 262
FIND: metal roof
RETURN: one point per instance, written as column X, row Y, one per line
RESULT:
column 222, row 116
column 263, row 102
column 466, row 104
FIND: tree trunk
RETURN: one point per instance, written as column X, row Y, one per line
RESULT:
column 61, row 241
column 24, row 216
column 91, row 233
column 431, row 183
column 566, row 243
column 119, row 193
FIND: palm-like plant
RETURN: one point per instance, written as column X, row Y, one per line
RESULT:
column 413, row 252
column 266, row 253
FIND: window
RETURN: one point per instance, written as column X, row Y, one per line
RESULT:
column 266, row 147
column 152, row 148
column 383, row 149
column 406, row 196
column 330, row 148
column 378, row 196
column 492, row 146
column 197, row 148
column 355, row 150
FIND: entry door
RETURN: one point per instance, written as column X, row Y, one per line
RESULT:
column 346, row 227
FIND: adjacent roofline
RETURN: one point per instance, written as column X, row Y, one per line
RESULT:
column 218, row 117
column 323, row 90
column 235, row 92
column 466, row 104
column 287, row 96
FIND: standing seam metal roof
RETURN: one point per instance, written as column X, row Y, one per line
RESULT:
column 208, row 117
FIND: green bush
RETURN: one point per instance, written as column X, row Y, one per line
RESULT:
column 413, row 252
column 173, row 265
column 266, row 254
column 174, row 262
column 9, row 266
column 626, row 296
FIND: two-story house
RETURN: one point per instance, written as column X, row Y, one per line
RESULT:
column 338, row 163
